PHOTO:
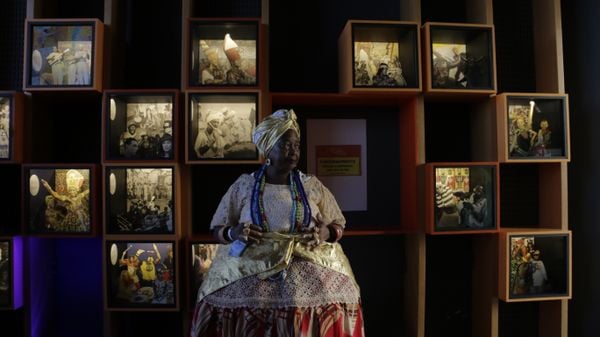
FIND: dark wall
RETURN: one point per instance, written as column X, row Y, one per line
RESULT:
column 581, row 51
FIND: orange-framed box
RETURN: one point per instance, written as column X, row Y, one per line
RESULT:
column 81, row 51
column 457, row 194
column 363, row 61
column 471, row 46
column 532, row 110
column 519, row 273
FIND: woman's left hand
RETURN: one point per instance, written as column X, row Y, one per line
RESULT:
column 316, row 235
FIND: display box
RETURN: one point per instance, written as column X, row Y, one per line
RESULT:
column 533, row 127
column 11, row 272
column 459, row 58
column 535, row 266
column 219, row 127
column 140, row 200
column 11, row 127
column 200, row 256
column 461, row 197
column 59, row 199
column 379, row 56
column 223, row 52
column 141, row 275
column 140, row 125
column 63, row 54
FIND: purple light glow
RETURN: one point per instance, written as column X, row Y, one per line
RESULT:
column 17, row 256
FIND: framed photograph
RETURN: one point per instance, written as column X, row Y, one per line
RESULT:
column 379, row 55
column 140, row 125
column 11, row 122
column 11, row 272
column 141, row 275
column 535, row 266
column 535, row 127
column 59, row 199
column 63, row 54
column 463, row 197
column 460, row 57
column 201, row 256
column 140, row 200
column 223, row 53
column 219, row 126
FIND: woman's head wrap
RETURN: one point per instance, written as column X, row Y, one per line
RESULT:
column 268, row 132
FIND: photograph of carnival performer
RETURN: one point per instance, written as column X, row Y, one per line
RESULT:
column 536, row 128
column 139, row 278
column 62, row 204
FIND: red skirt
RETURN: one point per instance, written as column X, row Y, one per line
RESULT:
column 331, row 320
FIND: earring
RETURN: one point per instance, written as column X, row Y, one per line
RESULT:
column 268, row 161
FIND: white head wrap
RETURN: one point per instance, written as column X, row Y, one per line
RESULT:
column 268, row 132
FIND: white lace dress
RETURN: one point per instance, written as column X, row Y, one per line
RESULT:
column 307, row 284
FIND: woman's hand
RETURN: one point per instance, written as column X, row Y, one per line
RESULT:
column 315, row 236
column 247, row 232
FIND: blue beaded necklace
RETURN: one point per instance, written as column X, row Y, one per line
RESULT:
column 300, row 216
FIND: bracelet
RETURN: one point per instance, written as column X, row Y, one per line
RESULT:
column 227, row 235
column 335, row 233
column 221, row 234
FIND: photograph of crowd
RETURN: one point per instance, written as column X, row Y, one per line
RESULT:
column 140, row 200
column 146, row 132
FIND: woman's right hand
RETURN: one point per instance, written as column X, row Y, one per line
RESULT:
column 247, row 232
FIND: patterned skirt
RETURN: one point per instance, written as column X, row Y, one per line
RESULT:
column 311, row 301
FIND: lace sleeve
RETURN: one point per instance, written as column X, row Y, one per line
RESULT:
column 230, row 207
column 328, row 208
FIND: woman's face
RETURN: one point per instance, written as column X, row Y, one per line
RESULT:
column 286, row 152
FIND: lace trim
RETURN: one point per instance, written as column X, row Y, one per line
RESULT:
column 306, row 285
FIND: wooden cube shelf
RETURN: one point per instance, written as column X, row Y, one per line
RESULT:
column 459, row 59
column 63, row 55
column 59, row 200
column 141, row 274
column 152, row 115
column 379, row 56
column 534, row 265
column 533, row 127
column 462, row 198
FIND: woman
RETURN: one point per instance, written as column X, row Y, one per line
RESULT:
column 284, row 274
